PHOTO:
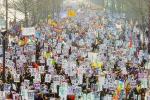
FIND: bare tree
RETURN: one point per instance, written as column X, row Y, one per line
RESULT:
column 37, row 10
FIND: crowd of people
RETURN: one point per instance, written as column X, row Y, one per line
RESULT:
column 92, row 56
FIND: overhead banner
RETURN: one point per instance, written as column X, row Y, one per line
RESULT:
column 28, row 31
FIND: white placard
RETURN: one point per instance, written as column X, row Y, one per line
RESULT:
column 92, row 56
column 48, row 78
column 7, row 87
column 56, row 79
column 124, row 71
column 30, row 95
column 147, row 65
column 59, row 48
column 26, row 83
column 9, row 63
column 23, row 58
column 24, row 93
column 41, row 69
column 33, row 71
column 17, row 78
column 144, row 82
column 2, row 95
column 33, row 58
column 54, row 88
column 28, row 31
column 37, row 77
column 63, row 92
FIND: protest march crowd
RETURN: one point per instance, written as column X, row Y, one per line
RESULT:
column 91, row 55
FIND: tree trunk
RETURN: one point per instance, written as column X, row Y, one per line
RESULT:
column 149, row 31
column 26, row 13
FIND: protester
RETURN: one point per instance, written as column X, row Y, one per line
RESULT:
column 85, row 57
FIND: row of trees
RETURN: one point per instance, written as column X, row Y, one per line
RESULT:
column 36, row 10
column 135, row 10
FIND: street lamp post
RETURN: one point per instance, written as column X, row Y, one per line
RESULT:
column 4, row 44
column 6, row 14
column 3, row 32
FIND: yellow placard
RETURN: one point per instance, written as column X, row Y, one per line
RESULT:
column 47, row 54
column 97, row 65
column 71, row 13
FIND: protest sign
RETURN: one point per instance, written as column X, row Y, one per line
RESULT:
column 37, row 86
column 17, row 78
column 147, row 65
column 49, row 62
column 56, row 79
column 63, row 91
column 38, row 34
column 7, row 87
column 78, row 91
column 1, row 52
column 30, row 95
column 33, row 58
column 124, row 71
column 54, row 87
column 71, row 13
column 9, row 63
column 24, row 94
column 70, row 90
column 48, row 78
column 41, row 69
column 23, row 58
column 90, row 96
column 26, row 83
column 37, row 77
column 92, row 56
column 33, row 71
column 59, row 45
column 28, row 31
column 94, row 87
column 2, row 95
column 144, row 83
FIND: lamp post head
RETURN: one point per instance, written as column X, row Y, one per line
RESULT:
column 3, row 32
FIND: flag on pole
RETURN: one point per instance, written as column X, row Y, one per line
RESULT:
column 130, row 42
